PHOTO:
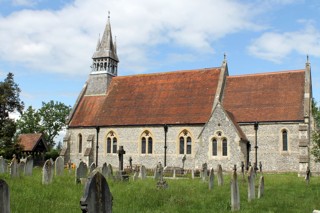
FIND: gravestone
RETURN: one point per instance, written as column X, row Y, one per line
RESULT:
column 130, row 162
column 3, row 165
column 14, row 167
column 161, row 184
column 47, row 172
column 92, row 167
column 121, row 173
column 220, row 175
column 204, row 171
column 29, row 166
column 143, row 172
column 156, row 172
column 174, row 173
column 21, row 167
column 4, row 197
column 81, row 172
column 261, row 187
column 97, row 197
column 211, row 178
column 242, row 169
column 235, row 194
column 104, row 170
column 110, row 171
column 251, row 189
column 192, row 173
column 59, row 166
column 308, row 175
column 136, row 173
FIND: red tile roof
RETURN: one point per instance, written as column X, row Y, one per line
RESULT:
column 181, row 97
column 265, row 97
column 29, row 141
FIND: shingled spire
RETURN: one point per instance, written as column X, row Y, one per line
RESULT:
column 105, row 58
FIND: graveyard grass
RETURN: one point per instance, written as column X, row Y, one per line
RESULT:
column 283, row 193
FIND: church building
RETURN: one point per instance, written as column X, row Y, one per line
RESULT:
column 205, row 114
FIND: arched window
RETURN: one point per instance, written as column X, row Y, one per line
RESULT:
column 149, row 145
column 224, row 147
column 181, row 145
column 143, row 145
column 146, row 143
column 80, row 143
column 185, row 142
column 114, row 144
column 214, row 147
column 284, row 140
column 111, row 143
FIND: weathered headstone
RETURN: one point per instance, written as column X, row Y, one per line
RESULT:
column 29, row 166
column 220, row 175
column 104, row 170
column 81, row 172
column 92, row 167
column 136, row 173
column 4, row 197
column 211, row 178
column 47, row 172
column 156, row 172
column 204, row 171
column 261, row 187
column 143, row 172
column 110, row 172
column 59, row 166
column 3, row 165
column 21, row 167
column 192, row 173
column 308, row 175
column 14, row 168
column 97, row 197
column 235, row 194
column 161, row 184
column 121, row 152
column 251, row 189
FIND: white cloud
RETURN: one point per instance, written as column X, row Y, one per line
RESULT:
column 275, row 46
column 63, row 41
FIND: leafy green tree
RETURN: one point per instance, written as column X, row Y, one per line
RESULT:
column 50, row 119
column 316, row 113
column 315, row 151
column 9, row 102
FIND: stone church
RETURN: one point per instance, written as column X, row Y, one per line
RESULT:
column 204, row 114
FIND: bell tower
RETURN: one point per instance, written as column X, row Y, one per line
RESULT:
column 104, row 63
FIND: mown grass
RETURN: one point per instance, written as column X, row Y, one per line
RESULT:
column 283, row 193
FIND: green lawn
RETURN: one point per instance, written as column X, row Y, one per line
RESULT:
column 283, row 193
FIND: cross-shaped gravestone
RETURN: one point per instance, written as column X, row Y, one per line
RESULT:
column 121, row 152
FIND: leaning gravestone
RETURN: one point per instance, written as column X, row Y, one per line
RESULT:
column 104, row 170
column 59, row 166
column 220, row 175
column 14, row 168
column 4, row 197
column 81, row 172
column 92, row 167
column 143, row 172
column 235, row 194
column 2, row 165
column 251, row 189
column 261, row 187
column 21, row 167
column 211, row 178
column 29, row 166
column 47, row 172
column 97, row 197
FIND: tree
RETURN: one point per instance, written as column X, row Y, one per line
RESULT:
column 49, row 119
column 9, row 103
column 315, row 151
column 316, row 113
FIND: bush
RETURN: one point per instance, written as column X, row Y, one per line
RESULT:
column 52, row 154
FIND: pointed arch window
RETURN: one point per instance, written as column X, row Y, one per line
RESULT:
column 80, row 143
column 111, row 143
column 185, row 142
column 284, row 140
column 224, row 147
column 214, row 147
column 146, row 143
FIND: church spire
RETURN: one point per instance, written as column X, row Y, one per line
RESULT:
column 105, row 58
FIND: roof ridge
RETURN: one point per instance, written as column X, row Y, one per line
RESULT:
column 169, row 72
column 268, row 73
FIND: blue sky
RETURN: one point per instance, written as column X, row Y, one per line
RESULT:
column 48, row 44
